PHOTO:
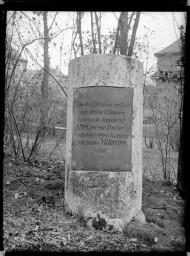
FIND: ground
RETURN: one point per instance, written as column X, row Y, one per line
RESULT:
column 34, row 216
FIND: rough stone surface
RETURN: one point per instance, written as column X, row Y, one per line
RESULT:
column 114, row 195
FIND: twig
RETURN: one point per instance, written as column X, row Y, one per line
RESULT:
column 24, row 46
column 46, row 71
column 17, row 130
column 32, row 244
column 52, row 21
column 115, row 16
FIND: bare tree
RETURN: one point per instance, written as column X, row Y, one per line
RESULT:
column 124, row 34
column 123, row 44
column 164, row 103
column 27, row 97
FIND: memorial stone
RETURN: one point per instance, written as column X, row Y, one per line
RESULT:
column 103, row 172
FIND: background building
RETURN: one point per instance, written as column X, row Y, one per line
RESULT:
column 168, row 67
column 168, row 72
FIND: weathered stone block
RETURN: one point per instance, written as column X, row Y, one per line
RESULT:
column 104, row 137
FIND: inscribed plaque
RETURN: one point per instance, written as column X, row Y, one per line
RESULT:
column 102, row 128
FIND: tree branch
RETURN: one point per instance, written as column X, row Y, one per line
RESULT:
column 53, row 21
column 31, row 56
column 115, row 16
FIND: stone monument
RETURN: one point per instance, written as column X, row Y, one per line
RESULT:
column 103, row 172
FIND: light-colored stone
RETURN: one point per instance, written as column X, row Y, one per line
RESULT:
column 117, row 195
column 118, row 224
column 140, row 217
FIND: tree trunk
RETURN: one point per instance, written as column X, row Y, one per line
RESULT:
column 123, row 33
column 98, row 31
column 79, row 29
column 181, row 166
column 132, row 42
column 116, row 39
column 45, row 81
column 183, row 118
column 181, row 170
column 92, row 30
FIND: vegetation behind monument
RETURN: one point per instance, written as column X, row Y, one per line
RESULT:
column 39, row 97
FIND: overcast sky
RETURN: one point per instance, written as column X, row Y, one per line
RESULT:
column 160, row 27
column 163, row 24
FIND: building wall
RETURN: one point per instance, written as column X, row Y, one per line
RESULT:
column 167, row 62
